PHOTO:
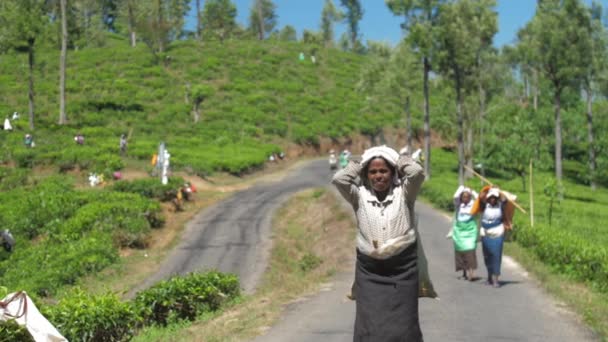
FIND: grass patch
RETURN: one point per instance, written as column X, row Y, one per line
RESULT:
column 310, row 244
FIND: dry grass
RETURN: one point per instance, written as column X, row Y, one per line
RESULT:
column 313, row 238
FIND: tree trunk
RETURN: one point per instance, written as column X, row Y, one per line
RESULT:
column 468, row 152
column 30, row 57
column 482, row 116
column 427, row 121
column 261, row 32
column 196, row 113
column 558, row 136
column 132, row 24
column 161, row 27
column 62, row 63
column 535, row 86
column 198, row 19
column 408, row 122
column 460, row 130
column 592, row 162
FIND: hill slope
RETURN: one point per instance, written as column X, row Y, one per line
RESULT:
column 252, row 93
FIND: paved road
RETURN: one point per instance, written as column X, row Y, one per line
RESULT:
column 234, row 235
column 518, row 311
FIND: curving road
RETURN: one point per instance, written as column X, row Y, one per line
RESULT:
column 234, row 236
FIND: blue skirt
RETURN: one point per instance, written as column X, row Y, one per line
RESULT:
column 492, row 253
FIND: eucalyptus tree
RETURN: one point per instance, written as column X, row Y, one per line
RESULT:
column 352, row 16
column 161, row 22
column 465, row 28
column 399, row 84
column 288, row 34
column 559, row 31
column 594, row 73
column 420, row 18
column 22, row 24
column 62, row 62
column 329, row 16
column 218, row 19
column 262, row 18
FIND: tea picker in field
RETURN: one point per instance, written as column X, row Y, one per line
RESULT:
column 465, row 232
column 7, row 125
column 7, row 240
column 391, row 271
column 28, row 140
column 79, row 139
column 496, row 217
column 123, row 144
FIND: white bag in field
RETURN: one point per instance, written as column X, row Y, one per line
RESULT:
column 19, row 306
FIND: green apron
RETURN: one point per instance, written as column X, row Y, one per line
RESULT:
column 465, row 235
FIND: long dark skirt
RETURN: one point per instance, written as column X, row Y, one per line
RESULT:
column 387, row 298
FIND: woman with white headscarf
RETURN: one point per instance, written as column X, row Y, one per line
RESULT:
column 391, row 269
column 465, row 232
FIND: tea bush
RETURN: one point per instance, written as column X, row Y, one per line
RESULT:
column 184, row 298
column 101, row 318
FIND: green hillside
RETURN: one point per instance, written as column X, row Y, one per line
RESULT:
column 252, row 93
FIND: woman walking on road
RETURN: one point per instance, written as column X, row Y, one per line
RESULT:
column 496, row 215
column 387, row 281
column 465, row 232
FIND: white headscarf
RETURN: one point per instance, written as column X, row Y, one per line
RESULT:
column 384, row 152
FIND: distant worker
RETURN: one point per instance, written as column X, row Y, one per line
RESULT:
column 465, row 233
column 7, row 239
column 79, row 139
column 344, row 158
column 496, row 217
column 302, row 57
column 333, row 161
column 7, row 125
column 28, row 141
column 15, row 116
column 123, row 144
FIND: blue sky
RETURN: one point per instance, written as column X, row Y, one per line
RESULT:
column 378, row 22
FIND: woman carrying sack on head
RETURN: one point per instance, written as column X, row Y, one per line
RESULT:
column 391, row 270
column 496, row 217
column 465, row 233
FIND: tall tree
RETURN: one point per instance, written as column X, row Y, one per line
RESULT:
column 288, row 34
column 62, row 62
column 420, row 19
column 558, row 24
column 354, row 14
column 262, row 18
column 218, row 19
column 398, row 83
column 465, row 28
column 329, row 16
column 597, row 44
column 198, row 20
column 164, row 22
column 22, row 22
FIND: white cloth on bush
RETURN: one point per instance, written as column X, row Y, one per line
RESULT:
column 19, row 306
